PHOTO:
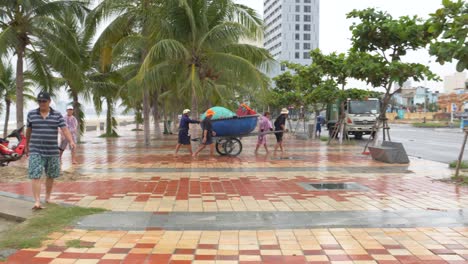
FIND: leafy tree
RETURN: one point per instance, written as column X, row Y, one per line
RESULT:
column 77, row 50
column 449, row 25
column 305, row 88
column 199, row 53
column 23, row 25
column 382, row 42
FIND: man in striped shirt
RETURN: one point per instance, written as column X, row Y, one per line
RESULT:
column 42, row 146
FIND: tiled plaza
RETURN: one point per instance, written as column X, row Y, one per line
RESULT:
column 129, row 179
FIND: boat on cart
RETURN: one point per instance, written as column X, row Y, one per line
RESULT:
column 229, row 132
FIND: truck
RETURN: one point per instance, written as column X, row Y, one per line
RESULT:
column 360, row 116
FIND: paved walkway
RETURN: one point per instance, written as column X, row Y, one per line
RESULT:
column 253, row 208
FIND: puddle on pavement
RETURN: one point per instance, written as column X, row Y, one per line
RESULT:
column 328, row 186
column 287, row 158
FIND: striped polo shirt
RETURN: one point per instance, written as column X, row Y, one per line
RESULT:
column 44, row 135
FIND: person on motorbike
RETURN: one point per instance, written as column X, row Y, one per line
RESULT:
column 42, row 146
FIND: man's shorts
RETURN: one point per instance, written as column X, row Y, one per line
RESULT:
column 279, row 137
column 38, row 164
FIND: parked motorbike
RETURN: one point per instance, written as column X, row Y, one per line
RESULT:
column 14, row 153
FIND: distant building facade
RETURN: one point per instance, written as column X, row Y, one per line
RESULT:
column 455, row 82
column 291, row 31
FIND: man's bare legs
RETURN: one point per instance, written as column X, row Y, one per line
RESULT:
column 36, row 189
column 202, row 146
column 280, row 145
column 258, row 146
column 73, row 154
column 177, row 149
column 49, row 185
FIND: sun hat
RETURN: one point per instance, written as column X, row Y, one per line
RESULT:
column 186, row 111
column 284, row 111
column 70, row 107
column 210, row 112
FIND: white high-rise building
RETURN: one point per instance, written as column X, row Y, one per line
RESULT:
column 291, row 30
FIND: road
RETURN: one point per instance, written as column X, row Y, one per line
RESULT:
column 440, row 144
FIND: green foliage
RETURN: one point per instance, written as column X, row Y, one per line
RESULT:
column 449, row 27
column 306, row 87
column 381, row 42
column 76, row 243
column 33, row 231
column 463, row 165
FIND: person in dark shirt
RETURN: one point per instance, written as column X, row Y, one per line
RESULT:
column 184, row 136
column 318, row 125
column 42, row 146
column 207, row 134
column 280, row 125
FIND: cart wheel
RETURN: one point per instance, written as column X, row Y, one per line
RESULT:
column 232, row 147
column 220, row 147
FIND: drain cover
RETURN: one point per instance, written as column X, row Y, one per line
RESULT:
column 332, row 186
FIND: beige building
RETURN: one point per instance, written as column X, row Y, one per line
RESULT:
column 455, row 82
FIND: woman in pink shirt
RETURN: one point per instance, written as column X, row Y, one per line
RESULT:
column 264, row 126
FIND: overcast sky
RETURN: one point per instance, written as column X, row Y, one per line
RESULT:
column 334, row 27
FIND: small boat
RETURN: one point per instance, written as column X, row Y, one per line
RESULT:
column 235, row 126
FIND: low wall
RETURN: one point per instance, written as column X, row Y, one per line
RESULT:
column 413, row 116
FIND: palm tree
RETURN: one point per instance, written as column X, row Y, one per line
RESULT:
column 200, row 46
column 77, row 50
column 134, row 25
column 23, row 24
column 8, row 91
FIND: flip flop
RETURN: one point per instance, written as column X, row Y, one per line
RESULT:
column 35, row 208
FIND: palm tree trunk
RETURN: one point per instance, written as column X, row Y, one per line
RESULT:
column 146, row 116
column 194, row 93
column 79, row 115
column 156, row 120
column 7, row 117
column 109, row 118
column 19, row 87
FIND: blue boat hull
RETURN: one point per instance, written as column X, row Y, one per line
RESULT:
column 236, row 126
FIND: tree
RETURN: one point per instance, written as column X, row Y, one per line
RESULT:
column 76, row 50
column 449, row 25
column 23, row 24
column 382, row 42
column 8, row 91
column 306, row 88
column 199, row 54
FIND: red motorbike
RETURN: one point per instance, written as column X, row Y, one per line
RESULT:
column 14, row 153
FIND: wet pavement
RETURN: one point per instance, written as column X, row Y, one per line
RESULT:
column 253, row 208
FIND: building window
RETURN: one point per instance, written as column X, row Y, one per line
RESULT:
column 307, row 9
column 306, row 27
column 298, row 27
column 298, row 1
column 306, row 55
column 298, row 46
column 298, row 8
column 306, row 36
column 298, row 18
column 297, row 55
column 307, row 46
column 297, row 37
column 283, row 67
column 307, row 1
column 307, row 18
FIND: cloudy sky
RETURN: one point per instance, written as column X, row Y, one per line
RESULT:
column 334, row 27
